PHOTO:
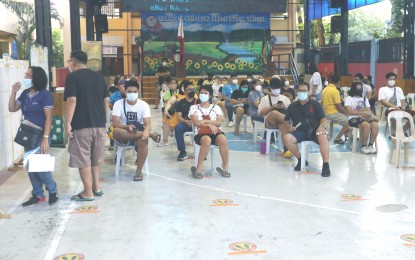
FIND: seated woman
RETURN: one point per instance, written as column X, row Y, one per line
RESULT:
column 239, row 101
column 360, row 116
column 170, row 119
column 207, row 118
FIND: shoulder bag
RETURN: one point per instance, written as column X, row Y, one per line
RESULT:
column 204, row 129
column 28, row 135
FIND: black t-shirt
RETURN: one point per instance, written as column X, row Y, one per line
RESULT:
column 113, row 89
column 312, row 110
column 183, row 106
column 162, row 69
column 90, row 90
column 239, row 95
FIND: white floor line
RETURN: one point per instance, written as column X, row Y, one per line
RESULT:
column 281, row 200
column 17, row 204
column 50, row 254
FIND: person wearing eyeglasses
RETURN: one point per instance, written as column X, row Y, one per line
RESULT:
column 305, row 121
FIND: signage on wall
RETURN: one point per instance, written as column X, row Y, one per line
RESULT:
column 204, row 6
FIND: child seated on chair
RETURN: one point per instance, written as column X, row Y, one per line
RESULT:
column 131, row 120
column 207, row 118
column 305, row 121
column 360, row 116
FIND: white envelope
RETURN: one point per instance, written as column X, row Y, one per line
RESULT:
column 41, row 163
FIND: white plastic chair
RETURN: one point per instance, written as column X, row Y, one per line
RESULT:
column 400, row 137
column 234, row 119
column 355, row 132
column 277, row 137
column 304, row 153
column 196, row 148
column 412, row 97
column 256, row 129
column 120, row 153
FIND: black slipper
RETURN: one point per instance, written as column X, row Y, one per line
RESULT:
column 80, row 198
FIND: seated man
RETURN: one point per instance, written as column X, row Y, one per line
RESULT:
column 273, row 107
column 335, row 112
column 227, row 91
column 306, row 122
column 131, row 120
column 185, row 124
column 254, row 97
column 392, row 97
column 239, row 101
column 117, row 95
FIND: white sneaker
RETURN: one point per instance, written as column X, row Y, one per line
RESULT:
column 230, row 124
column 365, row 150
column 163, row 144
column 372, row 149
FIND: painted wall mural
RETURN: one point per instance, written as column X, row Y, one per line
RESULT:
column 220, row 43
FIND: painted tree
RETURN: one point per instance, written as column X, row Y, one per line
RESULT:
column 25, row 13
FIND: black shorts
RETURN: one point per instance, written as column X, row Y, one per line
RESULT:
column 246, row 109
column 355, row 122
column 212, row 137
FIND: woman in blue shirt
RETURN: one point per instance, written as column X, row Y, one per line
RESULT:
column 36, row 104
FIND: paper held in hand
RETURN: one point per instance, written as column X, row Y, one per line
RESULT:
column 41, row 163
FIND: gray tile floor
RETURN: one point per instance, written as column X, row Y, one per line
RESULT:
column 274, row 212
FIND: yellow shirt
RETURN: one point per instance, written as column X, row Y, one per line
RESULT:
column 329, row 98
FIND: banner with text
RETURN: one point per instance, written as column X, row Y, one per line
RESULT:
column 220, row 43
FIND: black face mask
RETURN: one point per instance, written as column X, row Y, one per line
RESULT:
column 210, row 79
column 359, row 92
column 191, row 94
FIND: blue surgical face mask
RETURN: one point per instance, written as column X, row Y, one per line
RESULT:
column 132, row 97
column 244, row 90
column 27, row 83
column 204, row 97
column 302, row 96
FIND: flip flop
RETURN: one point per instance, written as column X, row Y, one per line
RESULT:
column 339, row 141
column 156, row 137
column 223, row 173
column 80, row 198
column 98, row 193
column 196, row 175
column 138, row 177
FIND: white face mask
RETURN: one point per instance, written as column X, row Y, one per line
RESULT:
column 286, row 83
column 262, row 80
column 249, row 80
column 204, row 97
column 276, row 92
column 27, row 83
column 258, row 88
column 391, row 83
column 164, row 63
column 132, row 97
column 326, row 83
column 235, row 81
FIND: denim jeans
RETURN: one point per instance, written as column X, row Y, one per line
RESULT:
column 179, row 131
column 229, row 109
column 39, row 178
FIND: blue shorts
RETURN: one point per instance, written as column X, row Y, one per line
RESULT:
column 301, row 136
